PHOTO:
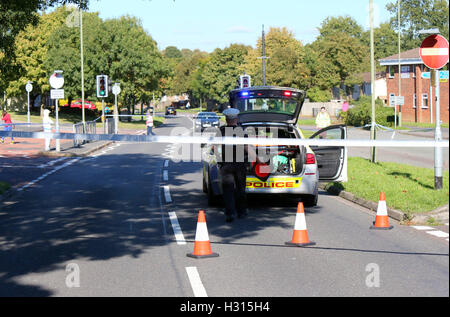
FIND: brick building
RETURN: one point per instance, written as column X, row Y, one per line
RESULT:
column 415, row 80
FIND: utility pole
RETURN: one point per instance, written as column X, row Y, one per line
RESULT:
column 82, row 70
column 372, row 75
column 264, row 57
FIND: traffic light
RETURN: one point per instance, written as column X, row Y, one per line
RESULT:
column 102, row 86
column 245, row 81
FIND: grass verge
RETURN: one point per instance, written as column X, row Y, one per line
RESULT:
column 408, row 188
column 4, row 187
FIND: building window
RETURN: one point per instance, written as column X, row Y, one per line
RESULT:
column 391, row 71
column 425, row 101
column 405, row 70
column 414, row 71
column 415, row 101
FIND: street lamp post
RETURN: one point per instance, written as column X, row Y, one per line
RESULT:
column 372, row 75
column 82, row 69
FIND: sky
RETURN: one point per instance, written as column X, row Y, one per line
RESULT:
column 211, row 24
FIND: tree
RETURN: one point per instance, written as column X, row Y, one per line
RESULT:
column 338, row 56
column 31, row 53
column 222, row 70
column 285, row 66
column 185, row 70
column 341, row 24
column 416, row 15
column 15, row 16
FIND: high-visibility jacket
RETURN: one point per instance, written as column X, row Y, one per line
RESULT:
column 323, row 120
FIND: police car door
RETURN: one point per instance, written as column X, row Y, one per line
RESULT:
column 331, row 160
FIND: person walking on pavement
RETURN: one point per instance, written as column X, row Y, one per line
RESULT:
column 233, row 169
column 47, row 124
column 323, row 120
column 6, row 118
column 149, row 122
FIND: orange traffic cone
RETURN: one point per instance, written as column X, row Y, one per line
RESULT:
column 202, row 247
column 382, row 218
column 300, row 236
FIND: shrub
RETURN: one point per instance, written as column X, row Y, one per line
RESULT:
column 316, row 95
column 361, row 113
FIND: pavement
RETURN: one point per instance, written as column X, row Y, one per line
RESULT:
column 26, row 159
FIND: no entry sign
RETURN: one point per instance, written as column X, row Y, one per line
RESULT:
column 434, row 51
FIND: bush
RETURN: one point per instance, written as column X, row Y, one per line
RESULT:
column 316, row 95
column 361, row 113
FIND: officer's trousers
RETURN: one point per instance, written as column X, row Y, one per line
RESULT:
column 234, row 176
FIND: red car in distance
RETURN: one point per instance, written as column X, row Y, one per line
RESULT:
column 78, row 104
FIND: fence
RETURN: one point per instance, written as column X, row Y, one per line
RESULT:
column 89, row 127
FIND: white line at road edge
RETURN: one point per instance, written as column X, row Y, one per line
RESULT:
column 196, row 283
column 167, row 194
column 47, row 174
column 176, row 228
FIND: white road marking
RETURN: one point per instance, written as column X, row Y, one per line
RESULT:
column 165, row 175
column 167, row 194
column 176, row 228
column 439, row 234
column 47, row 174
column 51, row 163
column 196, row 282
column 422, row 228
column 166, row 163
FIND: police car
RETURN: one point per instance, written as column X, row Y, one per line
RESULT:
column 272, row 112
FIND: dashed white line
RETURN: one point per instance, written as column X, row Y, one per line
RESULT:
column 421, row 228
column 166, row 163
column 47, row 174
column 165, row 175
column 167, row 194
column 176, row 228
column 196, row 282
column 439, row 234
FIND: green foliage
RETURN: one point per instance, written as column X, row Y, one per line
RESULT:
column 315, row 94
column 416, row 15
column 361, row 113
column 15, row 16
column 221, row 71
column 407, row 188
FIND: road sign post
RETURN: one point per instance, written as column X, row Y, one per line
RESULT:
column 116, row 92
column 57, row 82
column 434, row 54
column 28, row 88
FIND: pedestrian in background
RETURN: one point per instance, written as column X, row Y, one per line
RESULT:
column 149, row 122
column 47, row 124
column 6, row 118
column 323, row 120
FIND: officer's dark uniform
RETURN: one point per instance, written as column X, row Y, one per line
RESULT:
column 233, row 170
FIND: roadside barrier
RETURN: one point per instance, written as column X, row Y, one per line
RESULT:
column 382, row 218
column 202, row 246
column 208, row 139
column 300, row 236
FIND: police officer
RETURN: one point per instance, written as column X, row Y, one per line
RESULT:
column 233, row 168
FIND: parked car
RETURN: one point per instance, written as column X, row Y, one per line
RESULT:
column 171, row 111
column 272, row 112
column 78, row 104
column 206, row 120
